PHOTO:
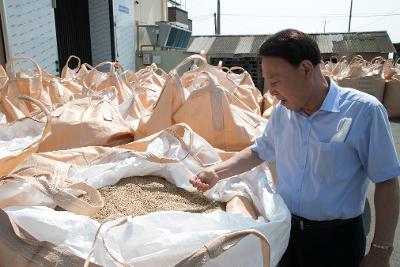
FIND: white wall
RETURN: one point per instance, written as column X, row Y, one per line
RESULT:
column 29, row 31
column 148, row 12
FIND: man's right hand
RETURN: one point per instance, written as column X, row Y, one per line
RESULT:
column 205, row 180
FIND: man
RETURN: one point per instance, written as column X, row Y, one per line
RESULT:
column 328, row 142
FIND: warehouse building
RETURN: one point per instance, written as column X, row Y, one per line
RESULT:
column 241, row 50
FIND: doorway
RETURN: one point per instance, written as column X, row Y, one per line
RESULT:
column 73, row 31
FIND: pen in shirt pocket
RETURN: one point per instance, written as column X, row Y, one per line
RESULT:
column 342, row 130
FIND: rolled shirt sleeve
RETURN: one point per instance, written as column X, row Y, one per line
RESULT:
column 264, row 145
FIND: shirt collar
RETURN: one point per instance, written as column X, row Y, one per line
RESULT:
column 331, row 102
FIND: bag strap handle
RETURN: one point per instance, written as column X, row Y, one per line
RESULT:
column 109, row 251
column 357, row 59
column 78, row 206
column 63, row 198
column 224, row 69
column 175, row 132
column 215, row 247
column 230, row 71
column 190, row 59
column 237, row 68
column 155, row 158
column 88, row 88
column 378, row 60
column 68, row 201
column 113, row 66
column 36, row 102
column 12, row 61
column 342, row 60
column 87, row 66
column 188, row 147
column 77, row 58
column 118, row 66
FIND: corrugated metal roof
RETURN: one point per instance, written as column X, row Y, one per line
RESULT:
column 200, row 43
column 258, row 41
column 245, row 45
column 224, row 44
column 355, row 42
column 361, row 42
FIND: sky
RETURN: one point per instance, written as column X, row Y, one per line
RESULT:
column 310, row 16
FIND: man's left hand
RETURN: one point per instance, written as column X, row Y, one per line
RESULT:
column 376, row 258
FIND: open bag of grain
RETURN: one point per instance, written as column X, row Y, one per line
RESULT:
column 162, row 238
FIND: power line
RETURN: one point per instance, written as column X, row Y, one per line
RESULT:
column 202, row 17
column 302, row 16
column 379, row 19
column 310, row 16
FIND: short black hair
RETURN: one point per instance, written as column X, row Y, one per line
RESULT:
column 291, row 45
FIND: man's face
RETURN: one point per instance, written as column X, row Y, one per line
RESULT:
column 286, row 82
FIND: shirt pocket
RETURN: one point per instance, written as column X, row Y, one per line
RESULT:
column 329, row 159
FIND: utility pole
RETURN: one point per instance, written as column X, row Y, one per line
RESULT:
column 324, row 24
column 218, row 18
column 351, row 10
column 215, row 24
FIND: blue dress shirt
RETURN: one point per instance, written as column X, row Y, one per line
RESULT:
column 323, row 180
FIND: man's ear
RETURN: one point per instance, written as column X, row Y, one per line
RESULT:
column 307, row 68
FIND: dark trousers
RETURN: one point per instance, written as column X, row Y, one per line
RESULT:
column 337, row 246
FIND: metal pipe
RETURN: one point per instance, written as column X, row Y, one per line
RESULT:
column 164, row 10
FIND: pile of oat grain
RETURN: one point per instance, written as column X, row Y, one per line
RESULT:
column 137, row 196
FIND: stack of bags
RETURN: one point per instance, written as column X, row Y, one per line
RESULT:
column 391, row 99
column 358, row 73
column 378, row 77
